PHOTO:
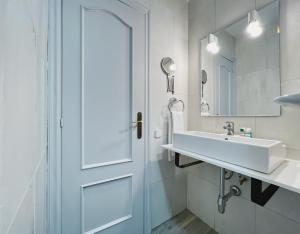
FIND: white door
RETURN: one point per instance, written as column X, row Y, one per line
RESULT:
column 103, row 151
column 224, row 86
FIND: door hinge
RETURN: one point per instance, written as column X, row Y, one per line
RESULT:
column 61, row 122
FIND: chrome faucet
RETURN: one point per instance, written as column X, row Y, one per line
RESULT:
column 229, row 127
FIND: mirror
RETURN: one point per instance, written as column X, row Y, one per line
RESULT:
column 168, row 66
column 243, row 78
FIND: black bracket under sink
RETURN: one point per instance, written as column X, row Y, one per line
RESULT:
column 177, row 162
column 257, row 195
column 261, row 197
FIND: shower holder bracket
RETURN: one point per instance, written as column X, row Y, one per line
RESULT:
column 177, row 162
column 261, row 197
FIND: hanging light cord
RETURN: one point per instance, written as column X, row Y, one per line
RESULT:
column 215, row 15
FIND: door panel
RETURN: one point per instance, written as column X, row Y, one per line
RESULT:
column 103, row 161
column 224, row 86
column 119, row 208
column 225, row 78
column 103, row 33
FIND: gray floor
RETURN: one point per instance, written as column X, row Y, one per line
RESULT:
column 184, row 223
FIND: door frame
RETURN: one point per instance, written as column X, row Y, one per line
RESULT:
column 54, row 123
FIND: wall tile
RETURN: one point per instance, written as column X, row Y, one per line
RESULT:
column 160, row 203
column 238, row 218
column 146, row 3
column 285, row 203
column 230, row 10
column 206, row 172
column 24, row 221
column 194, row 66
column 179, row 191
column 193, row 112
column 23, row 109
column 168, row 37
column 290, row 86
column 293, row 154
column 208, row 124
column 168, row 198
column 161, row 169
column 260, row 3
column 201, row 11
column 202, row 199
column 285, row 127
column 290, row 46
column 268, row 222
column 40, row 198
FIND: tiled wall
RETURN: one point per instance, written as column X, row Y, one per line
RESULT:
column 258, row 80
column 23, row 30
column 282, row 213
column 168, row 37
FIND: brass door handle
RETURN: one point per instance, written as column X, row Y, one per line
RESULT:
column 135, row 123
column 139, row 124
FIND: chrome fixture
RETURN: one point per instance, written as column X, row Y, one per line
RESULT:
column 168, row 66
column 223, row 198
column 203, row 81
column 228, row 174
column 204, row 104
column 173, row 101
column 242, row 179
column 229, row 127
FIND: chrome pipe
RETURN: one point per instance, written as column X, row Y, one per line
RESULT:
column 223, row 198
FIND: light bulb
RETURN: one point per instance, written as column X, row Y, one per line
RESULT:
column 254, row 28
column 213, row 45
column 172, row 67
column 213, row 48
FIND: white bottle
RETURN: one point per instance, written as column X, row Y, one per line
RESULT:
column 248, row 132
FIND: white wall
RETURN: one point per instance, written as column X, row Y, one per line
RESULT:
column 282, row 213
column 168, row 37
column 23, row 30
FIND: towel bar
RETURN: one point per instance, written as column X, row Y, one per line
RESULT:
column 173, row 101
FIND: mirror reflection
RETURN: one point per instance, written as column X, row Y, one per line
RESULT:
column 243, row 77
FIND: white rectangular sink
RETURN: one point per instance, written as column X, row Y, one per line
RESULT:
column 256, row 154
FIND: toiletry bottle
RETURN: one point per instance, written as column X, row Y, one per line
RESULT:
column 242, row 131
column 248, row 132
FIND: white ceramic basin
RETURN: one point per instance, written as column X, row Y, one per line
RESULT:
column 256, row 154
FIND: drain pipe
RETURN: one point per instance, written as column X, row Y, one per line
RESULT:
column 223, row 198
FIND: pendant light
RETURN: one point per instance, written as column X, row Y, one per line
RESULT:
column 254, row 28
column 213, row 42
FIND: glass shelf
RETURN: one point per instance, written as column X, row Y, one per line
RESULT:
column 289, row 99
